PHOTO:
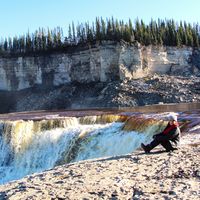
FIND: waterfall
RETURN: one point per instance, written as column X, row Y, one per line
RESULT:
column 31, row 146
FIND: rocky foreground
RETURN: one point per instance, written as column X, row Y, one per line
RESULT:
column 158, row 175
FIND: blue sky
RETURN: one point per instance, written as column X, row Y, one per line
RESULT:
column 19, row 16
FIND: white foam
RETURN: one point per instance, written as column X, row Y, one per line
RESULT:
column 47, row 147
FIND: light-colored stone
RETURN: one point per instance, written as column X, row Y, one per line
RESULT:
column 102, row 63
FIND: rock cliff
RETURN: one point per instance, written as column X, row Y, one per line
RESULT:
column 104, row 75
column 100, row 63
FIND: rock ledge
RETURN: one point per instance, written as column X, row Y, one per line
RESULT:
column 158, row 175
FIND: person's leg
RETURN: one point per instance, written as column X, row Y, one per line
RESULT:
column 158, row 139
column 176, row 140
column 147, row 148
column 162, row 139
column 167, row 145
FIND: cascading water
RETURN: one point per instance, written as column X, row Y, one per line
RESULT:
column 33, row 146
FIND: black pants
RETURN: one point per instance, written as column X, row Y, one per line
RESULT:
column 165, row 140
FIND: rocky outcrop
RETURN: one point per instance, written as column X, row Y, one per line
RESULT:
column 127, row 93
column 101, row 63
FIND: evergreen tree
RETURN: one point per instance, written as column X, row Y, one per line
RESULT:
column 147, row 36
column 78, row 32
column 113, row 26
column 160, row 32
column 10, row 44
column 178, row 39
column 73, row 33
column 22, row 44
column 103, row 29
column 1, row 46
column 118, row 34
column 55, row 40
column 83, row 34
column 43, row 38
column 49, row 40
column 143, row 32
column 98, row 30
column 137, row 30
column 59, row 37
column 185, row 36
column 28, row 42
column 39, row 39
column 15, row 45
column 195, row 35
column 127, row 34
column 36, row 41
column 5, row 44
column 180, row 34
column 109, row 30
column 89, row 33
column 69, row 38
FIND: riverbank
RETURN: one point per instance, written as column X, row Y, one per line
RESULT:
column 158, row 175
column 154, row 89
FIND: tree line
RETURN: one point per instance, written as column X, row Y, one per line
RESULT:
column 160, row 32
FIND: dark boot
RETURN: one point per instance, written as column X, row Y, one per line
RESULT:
column 149, row 147
column 146, row 148
column 172, row 149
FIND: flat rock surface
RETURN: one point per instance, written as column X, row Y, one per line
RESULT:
column 158, row 175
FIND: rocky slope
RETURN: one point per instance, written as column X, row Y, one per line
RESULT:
column 158, row 175
column 127, row 93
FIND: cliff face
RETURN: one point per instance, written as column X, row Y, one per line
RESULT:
column 102, row 63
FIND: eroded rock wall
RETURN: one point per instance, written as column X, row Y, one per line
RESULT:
column 102, row 63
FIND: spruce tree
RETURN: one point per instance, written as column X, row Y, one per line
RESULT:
column 78, row 33
column 28, row 43
column 59, row 37
column 98, row 30
column 49, row 40
column 15, row 45
column 10, row 44
column 160, row 32
column 44, row 43
column 5, row 44
column 118, row 34
column 36, row 41
column 73, row 33
column 103, row 29
column 69, row 37
column 109, row 30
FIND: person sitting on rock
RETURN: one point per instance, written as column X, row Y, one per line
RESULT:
column 171, row 134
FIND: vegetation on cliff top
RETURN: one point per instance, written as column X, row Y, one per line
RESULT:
column 160, row 32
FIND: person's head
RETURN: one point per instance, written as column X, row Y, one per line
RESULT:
column 172, row 118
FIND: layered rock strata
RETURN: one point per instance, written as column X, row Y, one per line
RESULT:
column 100, row 63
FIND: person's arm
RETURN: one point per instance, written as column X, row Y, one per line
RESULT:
column 174, row 132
